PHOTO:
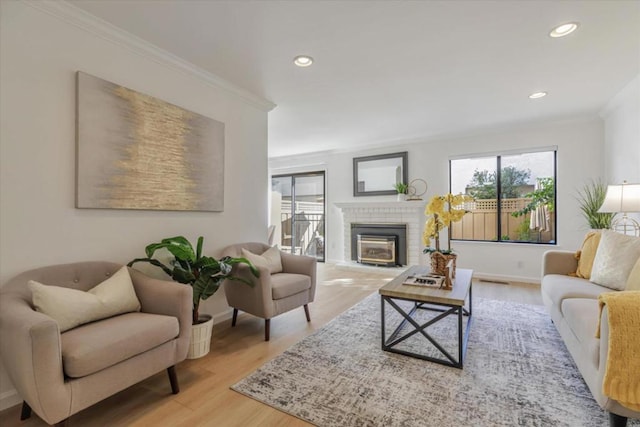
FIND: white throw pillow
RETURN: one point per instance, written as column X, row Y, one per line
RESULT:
column 269, row 259
column 71, row 307
column 615, row 258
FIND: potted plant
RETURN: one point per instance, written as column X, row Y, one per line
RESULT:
column 402, row 189
column 441, row 211
column 204, row 274
column 590, row 199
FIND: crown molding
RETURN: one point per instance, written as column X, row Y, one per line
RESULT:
column 92, row 24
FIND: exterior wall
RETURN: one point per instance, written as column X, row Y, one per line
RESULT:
column 43, row 44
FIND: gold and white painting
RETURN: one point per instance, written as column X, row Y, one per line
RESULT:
column 135, row 151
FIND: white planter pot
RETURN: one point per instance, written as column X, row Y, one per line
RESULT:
column 401, row 197
column 200, row 338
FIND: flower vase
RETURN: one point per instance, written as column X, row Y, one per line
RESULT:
column 439, row 263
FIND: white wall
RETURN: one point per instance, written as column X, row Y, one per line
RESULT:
column 40, row 52
column 580, row 152
column 622, row 135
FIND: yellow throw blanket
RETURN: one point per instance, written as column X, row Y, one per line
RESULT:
column 622, row 373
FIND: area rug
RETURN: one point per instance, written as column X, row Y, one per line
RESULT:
column 517, row 372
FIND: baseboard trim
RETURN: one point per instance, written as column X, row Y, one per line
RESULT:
column 9, row 399
column 221, row 317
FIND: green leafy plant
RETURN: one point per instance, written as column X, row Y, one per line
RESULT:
column 204, row 274
column 401, row 187
column 484, row 184
column 524, row 231
column 590, row 199
column 543, row 196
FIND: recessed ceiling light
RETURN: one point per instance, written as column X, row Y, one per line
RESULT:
column 303, row 60
column 537, row 95
column 564, row 29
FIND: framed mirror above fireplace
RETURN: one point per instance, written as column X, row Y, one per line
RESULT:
column 376, row 175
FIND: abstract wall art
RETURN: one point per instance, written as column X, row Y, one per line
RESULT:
column 135, row 151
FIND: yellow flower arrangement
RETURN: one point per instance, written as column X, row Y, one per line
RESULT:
column 441, row 211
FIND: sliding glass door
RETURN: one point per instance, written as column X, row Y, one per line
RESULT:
column 298, row 213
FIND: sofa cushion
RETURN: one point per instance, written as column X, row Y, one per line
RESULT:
column 99, row 345
column 616, row 256
column 587, row 254
column 71, row 307
column 269, row 259
column 633, row 282
column 581, row 314
column 558, row 287
column 287, row 284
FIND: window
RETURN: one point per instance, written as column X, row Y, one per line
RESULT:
column 514, row 196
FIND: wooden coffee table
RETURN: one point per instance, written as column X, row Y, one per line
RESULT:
column 447, row 302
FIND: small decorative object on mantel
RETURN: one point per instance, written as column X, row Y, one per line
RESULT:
column 441, row 211
column 417, row 188
column 401, row 188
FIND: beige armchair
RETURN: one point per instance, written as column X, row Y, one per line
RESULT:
column 58, row 375
column 272, row 294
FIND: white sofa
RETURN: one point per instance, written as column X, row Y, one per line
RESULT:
column 573, row 305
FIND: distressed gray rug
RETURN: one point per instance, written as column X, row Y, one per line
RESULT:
column 517, row 373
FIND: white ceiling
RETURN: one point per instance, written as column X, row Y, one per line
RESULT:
column 394, row 70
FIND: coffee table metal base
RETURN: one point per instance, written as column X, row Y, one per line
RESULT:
column 388, row 344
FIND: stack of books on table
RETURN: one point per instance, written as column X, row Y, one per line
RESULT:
column 426, row 280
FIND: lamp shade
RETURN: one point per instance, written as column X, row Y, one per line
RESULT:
column 621, row 198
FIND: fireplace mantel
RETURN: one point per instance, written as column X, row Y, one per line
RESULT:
column 410, row 213
column 408, row 205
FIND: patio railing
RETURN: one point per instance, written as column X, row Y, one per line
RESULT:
column 307, row 235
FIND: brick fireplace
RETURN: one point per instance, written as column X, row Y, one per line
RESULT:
column 408, row 214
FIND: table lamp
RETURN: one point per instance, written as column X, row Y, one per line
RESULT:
column 623, row 198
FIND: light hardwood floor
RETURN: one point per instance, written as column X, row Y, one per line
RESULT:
column 205, row 398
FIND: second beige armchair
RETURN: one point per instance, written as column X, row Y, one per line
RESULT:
column 273, row 293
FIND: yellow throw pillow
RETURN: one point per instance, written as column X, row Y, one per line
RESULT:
column 587, row 254
column 269, row 259
column 633, row 282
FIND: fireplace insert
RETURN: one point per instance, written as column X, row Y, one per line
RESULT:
column 379, row 244
column 377, row 249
